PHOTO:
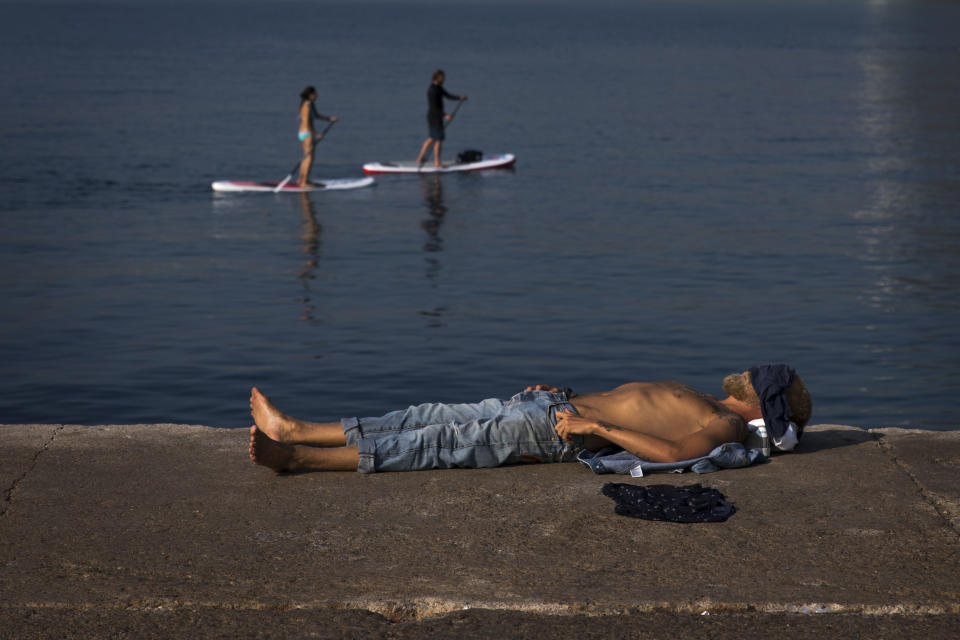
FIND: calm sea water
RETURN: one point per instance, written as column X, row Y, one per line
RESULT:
column 700, row 186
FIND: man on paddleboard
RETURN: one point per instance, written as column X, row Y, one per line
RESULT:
column 655, row 421
column 436, row 117
column 308, row 134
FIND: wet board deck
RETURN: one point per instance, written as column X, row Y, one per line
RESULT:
column 490, row 162
column 240, row 186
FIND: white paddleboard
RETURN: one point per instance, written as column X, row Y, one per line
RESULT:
column 490, row 162
column 239, row 186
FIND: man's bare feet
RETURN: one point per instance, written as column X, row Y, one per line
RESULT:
column 281, row 456
column 276, row 425
column 270, row 453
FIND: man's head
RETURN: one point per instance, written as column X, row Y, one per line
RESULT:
column 439, row 76
column 740, row 386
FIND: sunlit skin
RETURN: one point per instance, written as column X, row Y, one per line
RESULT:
column 657, row 421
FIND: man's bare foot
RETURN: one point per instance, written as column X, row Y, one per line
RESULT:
column 276, row 425
column 270, row 453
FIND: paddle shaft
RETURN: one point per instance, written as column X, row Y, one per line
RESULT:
column 453, row 113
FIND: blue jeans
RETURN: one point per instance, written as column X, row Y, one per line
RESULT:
column 442, row 436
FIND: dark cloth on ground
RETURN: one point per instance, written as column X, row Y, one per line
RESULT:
column 693, row 503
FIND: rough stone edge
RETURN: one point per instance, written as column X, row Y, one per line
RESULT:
column 425, row 608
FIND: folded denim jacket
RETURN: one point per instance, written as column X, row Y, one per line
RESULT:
column 615, row 460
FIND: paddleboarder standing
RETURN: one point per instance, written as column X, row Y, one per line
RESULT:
column 436, row 118
column 308, row 134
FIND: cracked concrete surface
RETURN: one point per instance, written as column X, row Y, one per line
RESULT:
column 21, row 459
column 149, row 529
column 932, row 461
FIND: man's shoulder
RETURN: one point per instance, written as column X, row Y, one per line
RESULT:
column 727, row 426
column 680, row 388
column 721, row 422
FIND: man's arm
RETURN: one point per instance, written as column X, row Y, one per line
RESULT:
column 450, row 96
column 654, row 448
column 551, row 389
column 543, row 387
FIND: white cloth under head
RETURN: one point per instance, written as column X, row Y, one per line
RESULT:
column 789, row 439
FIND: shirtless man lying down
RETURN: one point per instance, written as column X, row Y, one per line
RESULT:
column 656, row 421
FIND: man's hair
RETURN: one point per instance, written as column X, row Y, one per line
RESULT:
column 737, row 385
column 801, row 406
column 740, row 386
column 438, row 74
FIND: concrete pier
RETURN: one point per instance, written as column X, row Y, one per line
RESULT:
column 168, row 530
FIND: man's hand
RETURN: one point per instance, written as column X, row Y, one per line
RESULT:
column 544, row 387
column 570, row 424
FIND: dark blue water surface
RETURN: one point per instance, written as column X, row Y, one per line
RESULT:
column 701, row 186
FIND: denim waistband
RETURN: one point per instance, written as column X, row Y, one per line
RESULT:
column 547, row 398
column 563, row 403
column 559, row 406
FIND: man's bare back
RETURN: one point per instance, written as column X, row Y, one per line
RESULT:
column 645, row 417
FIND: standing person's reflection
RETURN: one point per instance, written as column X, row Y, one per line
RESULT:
column 310, row 234
column 433, row 197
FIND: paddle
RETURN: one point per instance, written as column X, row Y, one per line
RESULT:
column 453, row 113
column 296, row 167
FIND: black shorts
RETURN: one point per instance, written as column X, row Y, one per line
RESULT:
column 435, row 126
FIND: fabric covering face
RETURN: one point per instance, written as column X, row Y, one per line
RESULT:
column 770, row 382
column 693, row 503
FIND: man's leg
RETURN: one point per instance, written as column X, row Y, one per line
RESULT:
column 436, row 153
column 427, row 436
column 283, row 429
column 280, row 456
column 276, row 440
column 419, row 416
column 423, row 150
column 487, row 434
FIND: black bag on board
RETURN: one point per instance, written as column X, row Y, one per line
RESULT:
column 469, row 155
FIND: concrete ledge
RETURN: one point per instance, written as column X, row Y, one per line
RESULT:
column 155, row 528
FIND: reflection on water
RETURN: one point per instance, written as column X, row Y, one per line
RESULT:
column 432, row 189
column 310, row 236
column 909, row 226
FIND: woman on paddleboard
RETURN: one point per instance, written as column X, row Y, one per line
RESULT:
column 308, row 134
column 436, row 117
